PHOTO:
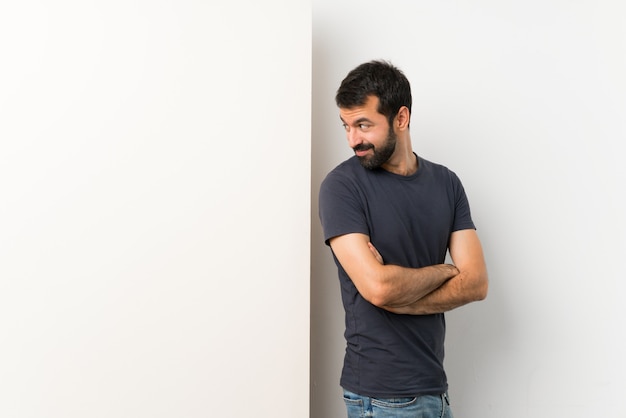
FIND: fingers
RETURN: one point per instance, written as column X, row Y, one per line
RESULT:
column 375, row 252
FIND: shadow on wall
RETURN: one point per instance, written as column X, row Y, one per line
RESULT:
column 477, row 334
column 327, row 317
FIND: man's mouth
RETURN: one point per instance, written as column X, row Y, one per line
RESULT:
column 361, row 150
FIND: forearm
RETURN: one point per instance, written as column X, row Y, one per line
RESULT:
column 386, row 286
column 402, row 286
column 460, row 290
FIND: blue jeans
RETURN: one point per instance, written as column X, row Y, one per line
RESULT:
column 426, row 406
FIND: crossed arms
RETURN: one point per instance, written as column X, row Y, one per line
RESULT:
column 417, row 291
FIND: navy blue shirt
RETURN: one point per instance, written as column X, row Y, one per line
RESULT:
column 409, row 220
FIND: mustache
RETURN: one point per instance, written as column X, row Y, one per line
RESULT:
column 363, row 147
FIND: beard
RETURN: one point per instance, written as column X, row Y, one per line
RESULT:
column 381, row 155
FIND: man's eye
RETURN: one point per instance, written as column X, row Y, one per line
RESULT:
column 363, row 126
column 345, row 126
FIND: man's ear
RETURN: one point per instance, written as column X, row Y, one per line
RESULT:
column 403, row 118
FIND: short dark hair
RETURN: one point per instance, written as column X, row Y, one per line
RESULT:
column 376, row 78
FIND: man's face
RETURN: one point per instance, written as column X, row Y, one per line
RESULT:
column 369, row 133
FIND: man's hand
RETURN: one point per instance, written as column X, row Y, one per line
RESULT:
column 374, row 251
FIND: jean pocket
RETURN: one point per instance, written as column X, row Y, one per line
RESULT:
column 354, row 407
column 394, row 402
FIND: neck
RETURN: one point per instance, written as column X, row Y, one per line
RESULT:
column 403, row 161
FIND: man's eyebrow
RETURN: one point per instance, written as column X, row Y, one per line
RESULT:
column 358, row 121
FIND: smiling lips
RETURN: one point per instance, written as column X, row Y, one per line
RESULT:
column 361, row 149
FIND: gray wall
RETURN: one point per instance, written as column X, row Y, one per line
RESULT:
column 525, row 100
column 154, row 224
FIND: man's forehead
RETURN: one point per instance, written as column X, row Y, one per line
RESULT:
column 367, row 110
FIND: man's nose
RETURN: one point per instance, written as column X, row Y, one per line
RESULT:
column 354, row 138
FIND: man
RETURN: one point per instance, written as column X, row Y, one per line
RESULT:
column 390, row 217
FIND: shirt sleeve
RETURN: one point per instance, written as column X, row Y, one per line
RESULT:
column 341, row 208
column 462, row 213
